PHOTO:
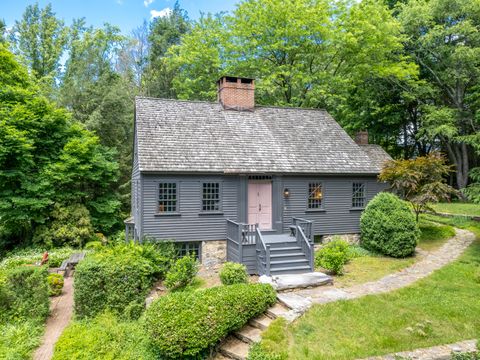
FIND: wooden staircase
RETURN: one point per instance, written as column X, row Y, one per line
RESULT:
column 286, row 256
column 237, row 345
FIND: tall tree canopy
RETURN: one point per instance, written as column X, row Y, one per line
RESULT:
column 40, row 38
column 46, row 159
column 164, row 32
column 303, row 52
column 443, row 37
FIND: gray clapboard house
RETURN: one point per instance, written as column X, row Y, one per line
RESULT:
column 229, row 180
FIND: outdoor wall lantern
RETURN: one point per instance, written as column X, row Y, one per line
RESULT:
column 286, row 193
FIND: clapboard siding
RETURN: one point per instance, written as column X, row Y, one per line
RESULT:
column 190, row 224
column 337, row 216
column 136, row 195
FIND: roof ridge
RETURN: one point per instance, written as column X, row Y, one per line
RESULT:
column 217, row 103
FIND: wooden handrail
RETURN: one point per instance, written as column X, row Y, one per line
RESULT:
column 303, row 242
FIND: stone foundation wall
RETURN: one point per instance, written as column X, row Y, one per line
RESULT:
column 214, row 252
column 352, row 239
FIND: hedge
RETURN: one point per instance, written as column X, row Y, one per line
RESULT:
column 104, row 337
column 388, row 226
column 118, row 278
column 24, row 294
column 187, row 324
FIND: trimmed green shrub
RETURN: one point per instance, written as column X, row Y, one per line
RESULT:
column 104, row 337
column 55, row 284
column 333, row 256
column 388, row 226
column 182, row 273
column 187, row 324
column 117, row 278
column 24, row 294
column 233, row 273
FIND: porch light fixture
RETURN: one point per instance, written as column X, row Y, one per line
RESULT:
column 286, row 193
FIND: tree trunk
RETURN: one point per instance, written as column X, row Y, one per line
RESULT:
column 459, row 155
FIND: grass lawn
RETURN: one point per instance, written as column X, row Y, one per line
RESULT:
column 442, row 308
column 434, row 235
column 369, row 268
column 458, row 208
column 373, row 267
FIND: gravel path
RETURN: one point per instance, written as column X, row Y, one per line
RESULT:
column 61, row 310
column 430, row 262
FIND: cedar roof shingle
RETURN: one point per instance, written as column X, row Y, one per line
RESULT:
column 202, row 137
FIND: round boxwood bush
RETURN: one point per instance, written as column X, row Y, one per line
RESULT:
column 388, row 226
column 333, row 256
column 55, row 284
column 187, row 324
column 233, row 273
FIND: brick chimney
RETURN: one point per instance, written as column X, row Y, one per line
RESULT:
column 236, row 93
column 361, row 137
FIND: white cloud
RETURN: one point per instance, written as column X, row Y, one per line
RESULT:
column 160, row 13
column 120, row 2
column 147, row 2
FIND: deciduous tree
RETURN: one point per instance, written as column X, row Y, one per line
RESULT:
column 420, row 181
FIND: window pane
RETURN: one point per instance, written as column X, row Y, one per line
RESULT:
column 315, row 195
column 167, row 197
column 358, row 195
column 188, row 248
column 211, row 197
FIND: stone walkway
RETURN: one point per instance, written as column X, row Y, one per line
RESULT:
column 442, row 352
column 430, row 262
column 61, row 310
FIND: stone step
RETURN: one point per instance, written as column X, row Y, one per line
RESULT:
column 277, row 310
column 294, row 301
column 261, row 322
column 249, row 334
column 234, row 348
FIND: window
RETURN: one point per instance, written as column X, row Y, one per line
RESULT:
column 187, row 248
column 167, row 197
column 315, row 195
column 358, row 195
column 211, row 196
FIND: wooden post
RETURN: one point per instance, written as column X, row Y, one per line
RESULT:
column 240, row 243
column 267, row 260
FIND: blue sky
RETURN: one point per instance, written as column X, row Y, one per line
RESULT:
column 127, row 14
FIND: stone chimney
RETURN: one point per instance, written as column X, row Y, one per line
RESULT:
column 361, row 137
column 236, row 93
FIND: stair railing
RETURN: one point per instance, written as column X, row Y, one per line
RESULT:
column 304, row 243
column 263, row 251
column 307, row 226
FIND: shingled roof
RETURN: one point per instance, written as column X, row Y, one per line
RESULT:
column 202, row 137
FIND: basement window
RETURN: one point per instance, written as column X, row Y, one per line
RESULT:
column 358, row 195
column 315, row 195
column 167, row 197
column 188, row 248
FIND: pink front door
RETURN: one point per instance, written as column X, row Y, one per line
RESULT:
column 260, row 204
